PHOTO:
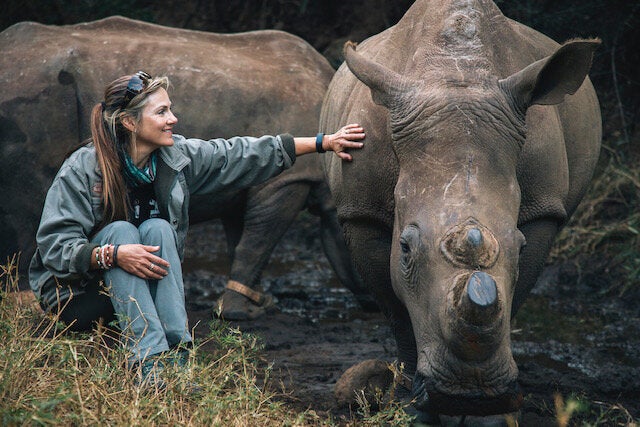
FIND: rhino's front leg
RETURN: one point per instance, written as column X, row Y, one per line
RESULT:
column 335, row 247
column 539, row 237
column 370, row 246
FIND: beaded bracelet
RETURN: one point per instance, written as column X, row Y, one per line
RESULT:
column 103, row 257
column 98, row 258
column 104, row 264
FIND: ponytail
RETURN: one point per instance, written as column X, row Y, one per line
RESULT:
column 114, row 190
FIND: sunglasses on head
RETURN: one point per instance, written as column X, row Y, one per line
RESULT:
column 137, row 83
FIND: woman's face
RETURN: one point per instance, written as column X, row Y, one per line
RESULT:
column 154, row 129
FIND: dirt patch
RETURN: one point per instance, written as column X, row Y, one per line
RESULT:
column 569, row 338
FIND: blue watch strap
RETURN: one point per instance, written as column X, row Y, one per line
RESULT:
column 319, row 148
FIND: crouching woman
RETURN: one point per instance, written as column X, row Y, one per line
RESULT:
column 116, row 215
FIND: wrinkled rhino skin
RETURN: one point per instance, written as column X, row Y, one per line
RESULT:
column 482, row 134
column 255, row 83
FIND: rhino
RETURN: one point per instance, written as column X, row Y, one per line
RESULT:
column 254, row 83
column 482, row 138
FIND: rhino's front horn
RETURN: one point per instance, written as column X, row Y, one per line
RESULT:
column 482, row 290
column 479, row 303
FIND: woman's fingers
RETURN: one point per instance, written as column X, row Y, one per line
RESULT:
column 139, row 260
column 156, row 271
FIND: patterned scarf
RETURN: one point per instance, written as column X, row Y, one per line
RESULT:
column 136, row 177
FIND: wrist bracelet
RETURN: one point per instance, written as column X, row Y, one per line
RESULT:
column 98, row 257
column 115, row 255
column 102, row 260
column 319, row 138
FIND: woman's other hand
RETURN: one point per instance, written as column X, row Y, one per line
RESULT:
column 139, row 260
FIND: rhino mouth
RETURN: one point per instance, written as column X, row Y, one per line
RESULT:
column 428, row 399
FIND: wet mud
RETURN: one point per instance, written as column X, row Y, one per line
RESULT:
column 569, row 338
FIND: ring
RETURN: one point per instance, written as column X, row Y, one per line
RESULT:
column 152, row 266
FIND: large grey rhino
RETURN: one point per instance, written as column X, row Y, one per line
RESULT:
column 482, row 137
column 254, row 83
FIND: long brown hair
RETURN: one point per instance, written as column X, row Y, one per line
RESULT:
column 111, row 140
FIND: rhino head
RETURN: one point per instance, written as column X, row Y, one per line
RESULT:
column 457, row 137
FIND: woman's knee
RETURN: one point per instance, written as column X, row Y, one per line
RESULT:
column 156, row 230
column 121, row 232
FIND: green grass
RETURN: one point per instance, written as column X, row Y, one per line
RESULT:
column 49, row 376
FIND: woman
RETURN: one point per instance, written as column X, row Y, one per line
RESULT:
column 117, row 212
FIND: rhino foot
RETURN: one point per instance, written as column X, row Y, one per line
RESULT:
column 371, row 377
column 476, row 421
column 234, row 306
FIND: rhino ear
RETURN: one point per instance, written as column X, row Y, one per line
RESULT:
column 386, row 85
column 547, row 81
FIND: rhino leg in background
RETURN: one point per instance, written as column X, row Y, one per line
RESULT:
column 539, row 236
column 372, row 262
column 269, row 213
column 233, row 226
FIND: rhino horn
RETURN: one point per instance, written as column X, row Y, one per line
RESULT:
column 386, row 85
column 479, row 303
column 470, row 245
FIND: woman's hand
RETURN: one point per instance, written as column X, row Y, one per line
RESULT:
column 345, row 137
column 139, row 260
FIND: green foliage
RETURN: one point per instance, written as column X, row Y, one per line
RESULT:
column 61, row 12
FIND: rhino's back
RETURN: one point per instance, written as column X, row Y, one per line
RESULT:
column 263, row 69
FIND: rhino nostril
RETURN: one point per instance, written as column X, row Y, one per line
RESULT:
column 481, row 289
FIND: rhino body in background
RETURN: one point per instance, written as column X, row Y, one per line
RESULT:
column 255, row 83
column 482, row 137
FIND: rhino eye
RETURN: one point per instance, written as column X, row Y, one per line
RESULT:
column 409, row 250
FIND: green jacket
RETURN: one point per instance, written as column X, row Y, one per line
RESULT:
column 73, row 207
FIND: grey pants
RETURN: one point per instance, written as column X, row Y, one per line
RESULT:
column 151, row 313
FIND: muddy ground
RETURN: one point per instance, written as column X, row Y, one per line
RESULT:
column 571, row 337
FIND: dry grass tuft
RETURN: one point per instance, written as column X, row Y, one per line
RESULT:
column 604, row 233
column 49, row 376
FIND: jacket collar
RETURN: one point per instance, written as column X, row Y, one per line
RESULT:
column 174, row 157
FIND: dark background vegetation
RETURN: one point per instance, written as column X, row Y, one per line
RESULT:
column 609, row 224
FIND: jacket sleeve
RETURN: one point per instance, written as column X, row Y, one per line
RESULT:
column 67, row 221
column 236, row 163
